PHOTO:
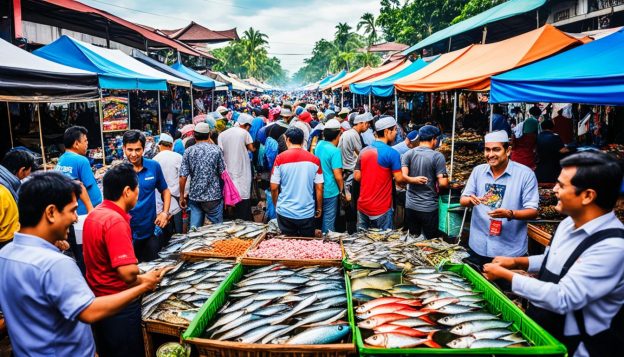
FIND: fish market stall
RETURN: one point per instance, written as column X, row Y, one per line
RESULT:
column 182, row 292
column 453, row 311
column 289, row 309
column 312, row 251
column 228, row 240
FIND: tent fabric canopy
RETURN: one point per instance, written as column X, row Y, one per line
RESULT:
column 198, row 80
column 503, row 11
column 344, row 78
column 370, row 74
column 166, row 69
column 384, row 87
column 337, row 77
column 326, row 80
column 233, row 83
column 474, row 68
column 25, row 77
column 111, row 75
column 589, row 74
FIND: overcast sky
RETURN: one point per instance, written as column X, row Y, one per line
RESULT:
column 292, row 26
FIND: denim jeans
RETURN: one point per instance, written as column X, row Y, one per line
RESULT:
column 382, row 222
column 213, row 210
column 330, row 210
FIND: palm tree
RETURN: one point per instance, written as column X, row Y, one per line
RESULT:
column 253, row 42
column 342, row 34
column 368, row 22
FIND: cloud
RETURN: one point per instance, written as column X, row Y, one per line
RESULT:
column 292, row 26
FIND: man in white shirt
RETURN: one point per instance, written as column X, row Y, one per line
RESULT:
column 236, row 143
column 170, row 162
column 579, row 290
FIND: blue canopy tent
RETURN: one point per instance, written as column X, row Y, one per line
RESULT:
column 73, row 53
column 589, row 74
column 198, row 80
column 204, row 84
column 385, row 87
column 325, row 80
column 333, row 79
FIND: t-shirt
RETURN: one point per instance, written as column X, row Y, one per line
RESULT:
column 9, row 222
column 170, row 163
column 234, row 143
column 203, row 162
column 305, row 128
column 107, row 245
column 423, row 161
column 350, row 145
column 377, row 162
column 42, row 295
column 151, row 178
column 78, row 168
column 401, row 147
column 296, row 171
column 368, row 137
column 331, row 159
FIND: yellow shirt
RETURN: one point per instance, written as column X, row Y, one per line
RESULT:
column 9, row 222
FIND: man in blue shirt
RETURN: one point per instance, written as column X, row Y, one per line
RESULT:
column 73, row 163
column 331, row 164
column 504, row 196
column 45, row 300
column 145, row 235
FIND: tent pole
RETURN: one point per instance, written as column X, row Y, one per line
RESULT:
column 10, row 125
column 41, row 137
column 453, row 136
column 352, row 100
column 341, row 97
column 159, row 113
column 192, row 104
column 491, row 115
column 212, row 102
column 370, row 97
column 102, row 129
column 450, row 42
column 537, row 18
column 484, row 35
column 396, row 104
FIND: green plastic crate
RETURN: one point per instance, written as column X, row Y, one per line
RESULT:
column 218, row 299
column 449, row 222
column 542, row 343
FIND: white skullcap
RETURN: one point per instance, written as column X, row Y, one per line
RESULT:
column 363, row 118
column 385, row 123
column 499, row 136
column 332, row 124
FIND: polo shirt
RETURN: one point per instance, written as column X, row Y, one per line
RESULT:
column 515, row 189
column 331, row 159
column 107, row 245
column 151, row 178
column 378, row 162
column 296, row 171
column 42, row 292
column 78, row 168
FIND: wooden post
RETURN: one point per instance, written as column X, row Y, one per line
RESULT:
column 41, row 136
column 10, row 125
column 396, row 105
column 484, row 35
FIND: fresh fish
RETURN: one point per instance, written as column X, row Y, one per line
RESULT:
column 462, row 342
column 376, row 293
column 470, row 327
column 300, row 306
column 271, row 310
column 320, row 335
column 257, row 321
column 403, row 330
column 383, row 309
column 492, row 333
column 453, row 320
column 395, row 340
column 455, row 309
column 273, row 286
column 243, row 320
column 490, row 343
column 369, row 305
column 258, row 333
column 437, row 304
column 379, row 320
column 411, row 322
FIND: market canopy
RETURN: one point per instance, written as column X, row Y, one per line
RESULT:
column 474, row 68
column 325, row 80
column 234, row 84
column 590, row 74
column 369, row 73
column 346, row 77
column 384, row 87
column 198, row 80
column 503, row 11
column 111, row 75
column 328, row 81
column 25, row 77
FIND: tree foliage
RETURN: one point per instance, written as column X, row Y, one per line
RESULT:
column 248, row 57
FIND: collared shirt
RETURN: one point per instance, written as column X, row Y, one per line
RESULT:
column 151, row 178
column 296, row 171
column 42, row 292
column 204, row 163
column 78, row 168
column 595, row 283
column 107, row 245
column 515, row 189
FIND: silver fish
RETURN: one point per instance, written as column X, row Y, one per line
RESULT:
column 470, row 327
column 320, row 335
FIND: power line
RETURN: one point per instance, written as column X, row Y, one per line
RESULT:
column 141, row 11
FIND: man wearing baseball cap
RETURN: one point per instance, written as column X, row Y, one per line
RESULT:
column 376, row 167
column 427, row 168
column 410, row 142
column 331, row 163
column 236, row 143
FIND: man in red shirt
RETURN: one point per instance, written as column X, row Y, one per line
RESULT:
column 111, row 265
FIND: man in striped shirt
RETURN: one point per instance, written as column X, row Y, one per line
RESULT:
column 297, row 187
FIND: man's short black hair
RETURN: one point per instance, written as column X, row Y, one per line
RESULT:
column 14, row 160
column 40, row 191
column 264, row 112
column 597, row 171
column 295, row 135
column 133, row 136
column 117, row 178
column 535, row 111
column 331, row 134
column 201, row 136
column 73, row 134
column 547, row 125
